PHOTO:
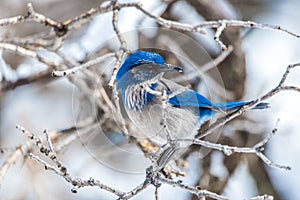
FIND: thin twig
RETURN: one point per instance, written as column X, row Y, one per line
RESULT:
column 218, row 33
column 26, row 52
column 194, row 190
column 47, row 166
column 223, row 120
column 256, row 149
column 216, row 61
column 157, row 192
column 12, row 159
column 220, row 25
column 83, row 66
column 48, row 138
column 61, row 170
column 263, row 197
column 174, row 47
column 115, row 22
column 9, row 85
column 136, row 190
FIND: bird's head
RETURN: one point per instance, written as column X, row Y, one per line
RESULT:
column 142, row 66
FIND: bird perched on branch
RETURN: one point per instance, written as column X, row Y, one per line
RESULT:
column 161, row 109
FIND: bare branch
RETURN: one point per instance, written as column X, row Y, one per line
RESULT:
column 214, row 84
column 215, row 62
column 12, row 159
column 223, row 120
column 194, row 190
column 218, row 33
column 263, row 197
column 256, row 149
column 116, row 26
column 157, row 192
column 61, row 29
column 46, row 165
column 136, row 190
column 58, row 31
column 83, row 66
column 238, row 23
column 49, row 140
column 9, row 85
column 61, row 170
column 27, row 53
column 220, row 25
column 35, row 41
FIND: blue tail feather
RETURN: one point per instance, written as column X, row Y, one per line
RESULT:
column 229, row 106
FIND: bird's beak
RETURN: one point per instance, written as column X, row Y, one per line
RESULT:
column 173, row 67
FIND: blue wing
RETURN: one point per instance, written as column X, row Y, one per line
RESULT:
column 231, row 106
column 190, row 98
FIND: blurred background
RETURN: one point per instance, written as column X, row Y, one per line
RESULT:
column 254, row 67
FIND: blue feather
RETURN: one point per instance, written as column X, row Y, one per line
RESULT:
column 190, row 98
column 230, row 106
column 139, row 58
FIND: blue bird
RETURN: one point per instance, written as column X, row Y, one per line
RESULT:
column 160, row 108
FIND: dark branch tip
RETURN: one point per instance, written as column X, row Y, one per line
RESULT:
column 260, row 149
column 63, row 169
column 61, row 29
column 274, row 130
column 198, row 187
column 74, row 190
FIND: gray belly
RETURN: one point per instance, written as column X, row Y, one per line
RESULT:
column 180, row 123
